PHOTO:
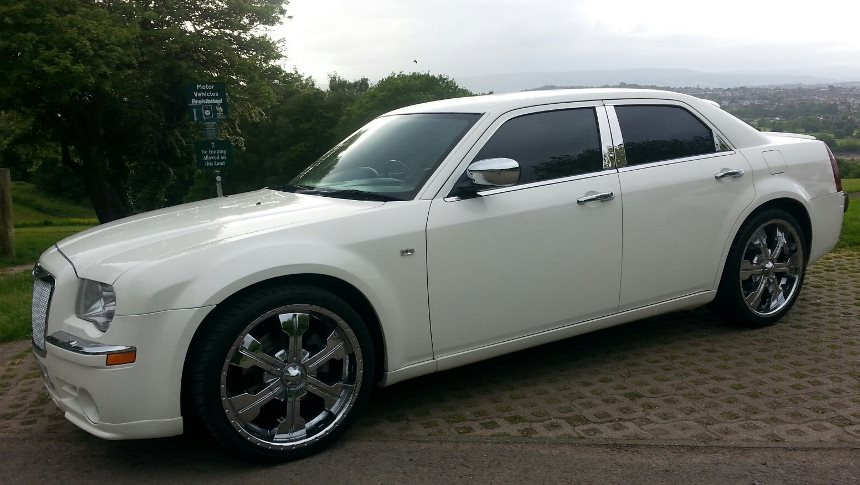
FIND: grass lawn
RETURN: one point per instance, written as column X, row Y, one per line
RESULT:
column 16, row 293
column 851, row 185
column 41, row 221
column 850, row 238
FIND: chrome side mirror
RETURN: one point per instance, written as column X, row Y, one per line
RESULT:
column 494, row 172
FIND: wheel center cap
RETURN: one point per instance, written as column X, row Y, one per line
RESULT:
column 294, row 374
column 768, row 267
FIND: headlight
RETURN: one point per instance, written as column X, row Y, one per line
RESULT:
column 96, row 303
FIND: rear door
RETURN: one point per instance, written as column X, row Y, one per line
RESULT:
column 684, row 188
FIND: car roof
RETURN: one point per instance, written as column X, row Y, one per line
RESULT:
column 509, row 101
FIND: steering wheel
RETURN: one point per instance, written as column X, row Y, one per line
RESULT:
column 391, row 167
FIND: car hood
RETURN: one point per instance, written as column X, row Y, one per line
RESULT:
column 104, row 252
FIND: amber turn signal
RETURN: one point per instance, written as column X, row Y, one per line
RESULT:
column 121, row 358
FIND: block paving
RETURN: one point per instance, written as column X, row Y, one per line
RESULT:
column 682, row 378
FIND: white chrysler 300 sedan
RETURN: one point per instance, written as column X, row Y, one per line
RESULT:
column 435, row 236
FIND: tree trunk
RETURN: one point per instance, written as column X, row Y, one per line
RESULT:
column 104, row 190
column 7, row 228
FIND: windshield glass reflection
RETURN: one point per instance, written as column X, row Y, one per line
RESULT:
column 390, row 158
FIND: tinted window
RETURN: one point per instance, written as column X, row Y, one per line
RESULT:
column 549, row 145
column 393, row 155
column 653, row 133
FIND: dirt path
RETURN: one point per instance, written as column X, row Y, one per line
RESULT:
column 15, row 269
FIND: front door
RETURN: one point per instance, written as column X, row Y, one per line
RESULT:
column 541, row 254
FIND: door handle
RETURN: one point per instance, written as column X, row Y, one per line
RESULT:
column 729, row 172
column 601, row 197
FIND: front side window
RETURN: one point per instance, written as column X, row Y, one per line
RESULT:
column 657, row 132
column 549, row 145
column 390, row 158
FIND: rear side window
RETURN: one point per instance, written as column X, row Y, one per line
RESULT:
column 654, row 133
column 549, row 145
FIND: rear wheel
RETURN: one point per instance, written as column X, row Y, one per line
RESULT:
column 280, row 374
column 764, row 270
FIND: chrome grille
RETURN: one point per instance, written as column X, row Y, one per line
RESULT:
column 43, row 288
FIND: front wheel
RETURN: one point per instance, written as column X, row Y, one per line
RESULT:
column 764, row 270
column 280, row 374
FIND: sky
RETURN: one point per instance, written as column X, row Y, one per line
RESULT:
column 373, row 38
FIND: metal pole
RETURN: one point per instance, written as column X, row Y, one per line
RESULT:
column 7, row 228
column 218, row 183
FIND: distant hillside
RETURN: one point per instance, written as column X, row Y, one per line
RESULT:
column 511, row 82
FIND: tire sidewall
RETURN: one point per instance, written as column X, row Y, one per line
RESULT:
column 219, row 334
column 729, row 302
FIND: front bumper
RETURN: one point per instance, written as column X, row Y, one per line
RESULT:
column 136, row 399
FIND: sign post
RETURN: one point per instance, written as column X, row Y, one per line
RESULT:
column 207, row 102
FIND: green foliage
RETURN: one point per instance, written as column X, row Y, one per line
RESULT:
column 396, row 91
column 16, row 295
column 102, row 83
column 303, row 122
column 31, row 207
column 851, row 184
column 850, row 237
column 849, row 168
column 40, row 221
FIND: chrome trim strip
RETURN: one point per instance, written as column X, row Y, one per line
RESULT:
column 82, row 346
column 618, row 153
column 605, row 137
column 512, row 188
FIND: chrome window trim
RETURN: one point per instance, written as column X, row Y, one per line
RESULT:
column 83, row 346
column 542, row 183
column 617, row 144
column 673, row 161
column 606, row 147
column 603, row 132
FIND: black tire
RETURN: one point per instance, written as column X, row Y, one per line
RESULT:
column 758, row 288
column 281, row 372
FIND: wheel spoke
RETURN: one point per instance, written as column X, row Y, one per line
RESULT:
column 775, row 291
column 782, row 267
column 759, row 240
column 749, row 269
column 293, row 421
column 754, row 298
column 334, row 349
column 251, row 354
column 779, row 245
column 248, row 405
column 294, row 325
column 329, row 393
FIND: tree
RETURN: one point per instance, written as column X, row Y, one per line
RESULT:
column 103, row 80
column 396, row 91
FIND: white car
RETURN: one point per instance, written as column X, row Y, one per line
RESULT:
column 435, row 236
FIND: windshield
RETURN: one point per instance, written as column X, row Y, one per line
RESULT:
column 390, row 158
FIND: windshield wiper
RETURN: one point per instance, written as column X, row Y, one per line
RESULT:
column 341, row 193
column 350, row 194
column 293, row 188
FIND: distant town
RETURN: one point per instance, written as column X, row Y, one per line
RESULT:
column 829, row 112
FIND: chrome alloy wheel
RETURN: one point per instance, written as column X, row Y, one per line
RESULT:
column 291, row 376
column 771, row 267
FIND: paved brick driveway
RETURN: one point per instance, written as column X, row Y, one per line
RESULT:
column 681, row 378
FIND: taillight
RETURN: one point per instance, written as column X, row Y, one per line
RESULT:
column 837, row 177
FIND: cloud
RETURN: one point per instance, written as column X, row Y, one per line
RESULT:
column 374, row 37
